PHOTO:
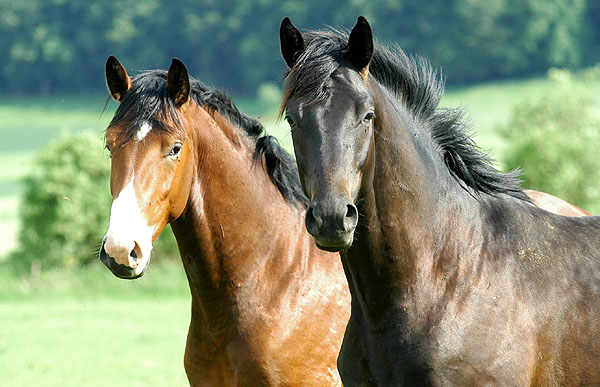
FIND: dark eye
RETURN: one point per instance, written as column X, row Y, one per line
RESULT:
column 290, row 121
column 175, row 150
column 369, row 116
column 108, row 149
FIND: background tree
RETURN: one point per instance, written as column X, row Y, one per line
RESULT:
column 63, row 210
column 66, row 205
column 61, row 45
column 551, row 139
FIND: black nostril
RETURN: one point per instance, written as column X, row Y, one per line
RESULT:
column 312, row 224
column 351, row 211
column 136, row 252
column 351, row 218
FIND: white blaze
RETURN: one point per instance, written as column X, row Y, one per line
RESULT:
column 128, row 227
column 143, row 131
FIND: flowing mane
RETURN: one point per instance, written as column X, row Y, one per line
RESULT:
column 413, row 83
column 148, row 101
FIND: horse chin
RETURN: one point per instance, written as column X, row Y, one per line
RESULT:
column 329, row 249
column 131, row 274
column 335, row 245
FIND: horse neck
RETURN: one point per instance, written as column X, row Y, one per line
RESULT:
column 237, row 228
column 408, row 203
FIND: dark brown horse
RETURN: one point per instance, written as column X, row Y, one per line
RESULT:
column 268, row 307
column 456, row 279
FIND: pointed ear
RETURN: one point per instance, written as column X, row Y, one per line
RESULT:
column 360, row 46
column 178, row 82
column 117, row 80
column 292, row 42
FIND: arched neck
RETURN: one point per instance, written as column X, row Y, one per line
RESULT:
column 408, row 200
column 237, row 227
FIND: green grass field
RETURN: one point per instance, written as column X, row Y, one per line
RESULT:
column 100, row 342
column 89, row 328
column 85, row 327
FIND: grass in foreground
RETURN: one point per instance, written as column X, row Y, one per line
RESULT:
column 88, row 328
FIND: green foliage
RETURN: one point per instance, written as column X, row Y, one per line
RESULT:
column 555, row 141
column 66, row 203
column 488, row 39
column 269, row 94
column 62, row 44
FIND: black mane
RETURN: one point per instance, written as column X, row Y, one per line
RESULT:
column 148, row 101
column 417, row 86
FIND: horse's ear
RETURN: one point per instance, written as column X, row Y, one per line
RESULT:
column 292, row 42
column 178, row 82
column 117, row 80
column 360, row 46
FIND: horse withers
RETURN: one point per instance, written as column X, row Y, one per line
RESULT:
column 268, row 307
column 456, row 278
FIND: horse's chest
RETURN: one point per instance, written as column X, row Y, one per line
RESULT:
column 479, row 352
column 444, row 352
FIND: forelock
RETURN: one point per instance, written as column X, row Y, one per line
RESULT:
column 323, row 55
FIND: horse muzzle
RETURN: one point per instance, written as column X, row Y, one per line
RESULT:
column 133, row 271
column 332, row 223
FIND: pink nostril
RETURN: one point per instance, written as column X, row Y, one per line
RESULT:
column 122, row 252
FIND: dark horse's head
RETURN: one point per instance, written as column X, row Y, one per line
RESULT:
column 331, row 112
column 343, row 92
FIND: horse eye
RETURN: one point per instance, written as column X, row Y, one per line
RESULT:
column 108, row 149
column 175, row 150
column 369, row 116
column 289, row 120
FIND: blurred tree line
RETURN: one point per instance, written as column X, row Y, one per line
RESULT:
column 61, row 45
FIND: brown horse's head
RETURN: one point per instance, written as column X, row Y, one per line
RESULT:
column 151, row 171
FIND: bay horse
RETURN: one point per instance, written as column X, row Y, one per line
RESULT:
column 554, row 204
column 455, row 278
column 268, row 307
